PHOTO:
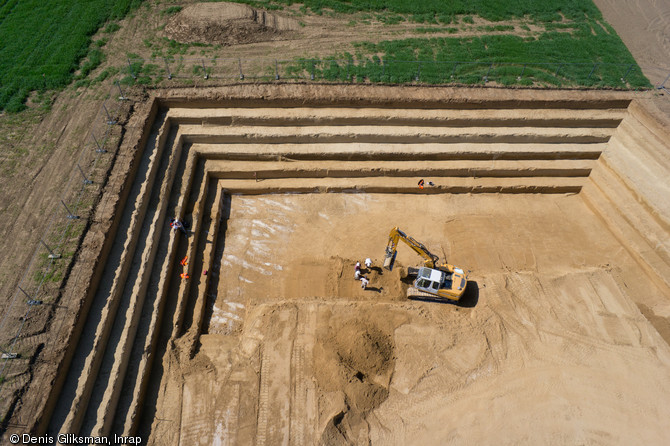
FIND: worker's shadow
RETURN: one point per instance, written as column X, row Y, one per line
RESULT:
column 468, row 300
column 376, row 269
column 374, row 288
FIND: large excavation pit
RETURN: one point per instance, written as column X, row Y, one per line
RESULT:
column 555, row 202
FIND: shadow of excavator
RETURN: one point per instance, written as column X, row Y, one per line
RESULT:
column 468, row 300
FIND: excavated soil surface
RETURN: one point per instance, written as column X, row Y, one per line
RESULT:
column 562, row 338
column 251, row 329
column 227, row 24
column 271, row 340
column 549, row 331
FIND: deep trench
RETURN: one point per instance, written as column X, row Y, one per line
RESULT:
column 163, row 308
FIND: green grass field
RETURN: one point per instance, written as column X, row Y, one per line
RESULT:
column 443, row 11
column 590, row 56
column 42, row 43
column 47, row 45
column 575, row 46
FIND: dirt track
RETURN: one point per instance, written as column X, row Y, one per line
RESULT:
column 643, row 26
column 278, row 343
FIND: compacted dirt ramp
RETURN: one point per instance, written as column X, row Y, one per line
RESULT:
column 250, row 328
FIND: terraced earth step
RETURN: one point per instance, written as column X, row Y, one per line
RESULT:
column 629, row 236
column 646, row 145
column 78, row 387
column 391, row 151
column 646, row 171
column 107, row 387
column 397, row 134
column 416, row 117
column 638, row 214
column 450, row 185
column 320, row 169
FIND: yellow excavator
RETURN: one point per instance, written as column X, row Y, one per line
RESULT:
column 442, row 281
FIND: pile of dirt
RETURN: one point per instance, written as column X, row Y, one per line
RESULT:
column 355, row 360
column 226, row 24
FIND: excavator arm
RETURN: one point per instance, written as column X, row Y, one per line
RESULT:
column 430, row 260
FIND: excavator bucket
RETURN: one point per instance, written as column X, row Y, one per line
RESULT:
column 389, row 259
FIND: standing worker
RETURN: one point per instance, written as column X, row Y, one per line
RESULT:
column 364, row 282
column 177, row 224
column 357, row 270
column 368, row 263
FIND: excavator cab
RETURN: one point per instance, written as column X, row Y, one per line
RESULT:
column 447, row 282
column 431, row 280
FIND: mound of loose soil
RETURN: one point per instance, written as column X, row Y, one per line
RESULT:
column 226, row 24
column 356, row 358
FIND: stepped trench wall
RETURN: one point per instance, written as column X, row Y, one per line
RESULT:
column 188, row 138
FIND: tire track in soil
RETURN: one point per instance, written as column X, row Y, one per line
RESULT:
column 263, row 399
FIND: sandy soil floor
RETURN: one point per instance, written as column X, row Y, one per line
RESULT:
column 548, row 346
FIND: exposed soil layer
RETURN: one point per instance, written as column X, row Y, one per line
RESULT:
column 227, row 24
column 271, row 340
column 625, row 189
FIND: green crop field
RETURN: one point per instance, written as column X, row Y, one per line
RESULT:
column 43, row 42
column 574, row 47
column 443, row 11
column 581, row 58
column 47, row 45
